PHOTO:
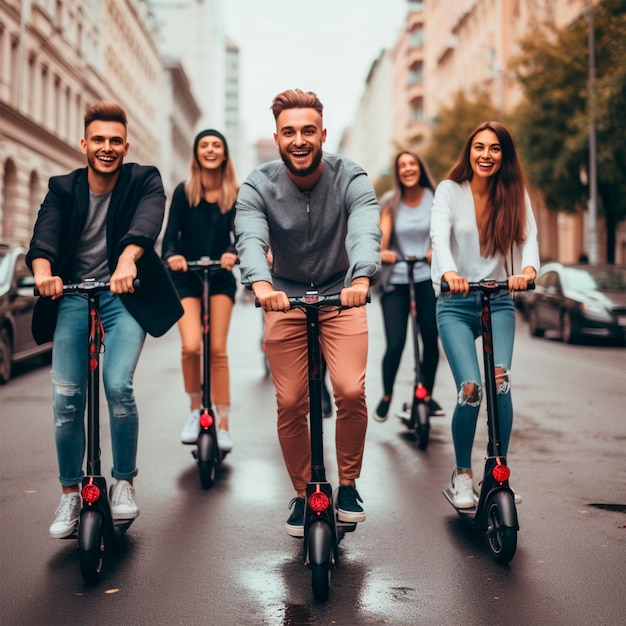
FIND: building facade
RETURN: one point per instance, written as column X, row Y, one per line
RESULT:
column 57, row 57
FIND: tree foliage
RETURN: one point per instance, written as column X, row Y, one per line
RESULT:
column 451, row 129
column 552, row 123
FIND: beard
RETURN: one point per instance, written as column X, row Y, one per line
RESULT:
column 305, row 171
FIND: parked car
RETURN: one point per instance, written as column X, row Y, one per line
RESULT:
column 579, row 301
column 16, row 311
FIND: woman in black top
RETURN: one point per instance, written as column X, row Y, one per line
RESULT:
column 200, row 224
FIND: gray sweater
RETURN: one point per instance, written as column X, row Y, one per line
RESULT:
column 320, row 239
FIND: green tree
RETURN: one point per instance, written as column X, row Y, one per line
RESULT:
column 552, row 123
column 451, row 129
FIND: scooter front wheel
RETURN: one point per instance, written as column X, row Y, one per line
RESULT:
column 206, row 460
column 502, row 538
column 91, row 545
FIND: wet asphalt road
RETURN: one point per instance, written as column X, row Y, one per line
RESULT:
column 221, row 557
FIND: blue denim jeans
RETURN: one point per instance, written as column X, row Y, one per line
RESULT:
column 123, row 341
column 458, row 319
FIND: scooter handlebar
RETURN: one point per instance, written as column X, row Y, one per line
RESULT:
column 89, row 285
column 315, row 299
column 488, row 285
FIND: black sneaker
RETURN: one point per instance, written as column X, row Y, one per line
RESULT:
column 295, row 524
column 381, row 410
column 435, row 409
column 348, row 507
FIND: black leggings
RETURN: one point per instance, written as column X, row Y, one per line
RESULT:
column 396, row 309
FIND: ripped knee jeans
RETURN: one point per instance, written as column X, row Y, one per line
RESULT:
column 459, row 324
column 123, row 340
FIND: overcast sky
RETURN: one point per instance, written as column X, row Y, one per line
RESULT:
column 326, row 46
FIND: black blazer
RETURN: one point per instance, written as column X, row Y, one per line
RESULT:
column 135, row 216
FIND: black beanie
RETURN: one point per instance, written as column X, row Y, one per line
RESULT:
column 210, row 132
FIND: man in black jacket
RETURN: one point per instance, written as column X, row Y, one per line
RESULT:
column 100, row 222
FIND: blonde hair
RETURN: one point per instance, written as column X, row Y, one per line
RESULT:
column 230, row 186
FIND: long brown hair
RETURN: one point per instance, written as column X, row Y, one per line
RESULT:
column 230, row 187
column 506, row 221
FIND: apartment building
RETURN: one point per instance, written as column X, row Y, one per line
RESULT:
column 462, row 45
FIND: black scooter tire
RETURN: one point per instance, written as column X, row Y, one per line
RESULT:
column 319, row 539
column 206, row 460
column 502, row 538
column 91, row 546
column 422, row 425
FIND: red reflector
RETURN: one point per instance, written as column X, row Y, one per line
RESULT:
column 319, row 501
column 206, row 420
column 501, row 472
column 90, row 493
column 421, row 393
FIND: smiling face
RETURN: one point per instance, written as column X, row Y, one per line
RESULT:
column 105, row 146
column 485, row 154
column 210, row 152
column 408, row 170
column 299, row 136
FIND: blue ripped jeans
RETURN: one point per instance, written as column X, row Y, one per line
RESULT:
column 123, row 340
column 458, row 320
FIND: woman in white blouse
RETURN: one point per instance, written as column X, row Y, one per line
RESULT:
column 482, row 226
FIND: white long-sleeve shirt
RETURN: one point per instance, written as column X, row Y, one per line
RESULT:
column 455, row 239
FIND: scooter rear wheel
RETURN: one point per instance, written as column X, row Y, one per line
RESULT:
column 319, row 542
column 320, row 581
column 206, row 460
column 502, row 539
column 91, row 546
column 422, row 424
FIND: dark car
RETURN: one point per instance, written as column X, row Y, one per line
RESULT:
column 579, row 301
column 16, row 310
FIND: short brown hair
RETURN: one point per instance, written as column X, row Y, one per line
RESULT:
column 296, row 99
column 105, row 111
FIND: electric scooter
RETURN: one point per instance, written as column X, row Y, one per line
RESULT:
column 322, row 530
column 416, row 414
column 494, row 511
column 207, row 454
column 96, row 527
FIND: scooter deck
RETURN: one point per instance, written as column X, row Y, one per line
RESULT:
column 447, row 492
column 122, row 525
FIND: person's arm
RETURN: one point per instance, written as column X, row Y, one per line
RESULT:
column 363, row 234
column 149, row 212
column 529, row 252
column 252, row 236
column 172, row 252
column 386, row 228
column 443, row 265
column 125, row 271
column 47, row 232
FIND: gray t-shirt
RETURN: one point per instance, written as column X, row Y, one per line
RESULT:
column 90, row 256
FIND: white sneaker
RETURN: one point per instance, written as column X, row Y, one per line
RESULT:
column 462, row 491
column 123, row 501
column 224, row 440
column 66, row 516
column 517, row 497
column 191, row 429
